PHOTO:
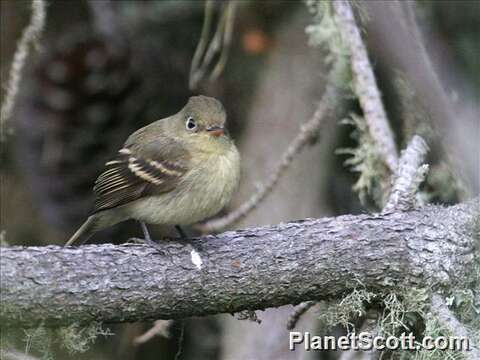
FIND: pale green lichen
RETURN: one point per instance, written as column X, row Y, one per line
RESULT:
column 462, row 301
column 433, row 329
column 351, row 307
column 402, row 312
column 78, row 339
column 365, row 159
column 323, row 33
column 41, row 341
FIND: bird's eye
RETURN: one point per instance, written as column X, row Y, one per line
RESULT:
column 190, row 124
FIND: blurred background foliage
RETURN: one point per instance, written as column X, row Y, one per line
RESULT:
column 91, row 84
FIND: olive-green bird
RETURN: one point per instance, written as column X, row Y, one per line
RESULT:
column 176, row 171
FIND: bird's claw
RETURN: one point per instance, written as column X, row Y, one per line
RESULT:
column 135, row 240
column 147, row 242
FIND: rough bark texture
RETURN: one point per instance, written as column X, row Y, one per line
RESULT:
column 407, row 178
column 247, row 269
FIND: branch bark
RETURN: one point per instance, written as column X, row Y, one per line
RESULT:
column 256, row 268
column 409, row 175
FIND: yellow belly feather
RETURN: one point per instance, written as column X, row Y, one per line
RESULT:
column 204, row 192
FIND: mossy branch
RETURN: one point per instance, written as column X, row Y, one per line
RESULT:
column 365, row 85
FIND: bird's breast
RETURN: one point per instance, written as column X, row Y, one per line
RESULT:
column 213, row 181
column 204, row 190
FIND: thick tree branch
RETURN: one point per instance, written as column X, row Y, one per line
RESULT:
column 256, row 268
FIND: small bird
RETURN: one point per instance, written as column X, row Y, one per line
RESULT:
column 175, row 171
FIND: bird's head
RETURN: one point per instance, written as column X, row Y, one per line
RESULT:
column 203, row 117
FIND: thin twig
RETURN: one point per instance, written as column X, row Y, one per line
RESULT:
column 221, row 41
column 247, row 315
column 408, row 176
column 446, row 318
column 227, row 40
column 202, row 44
column 297, row 313
column 365, row 85
column 160, row 327
column 307, row 131
column 29, row 38
column 214, row 46
column 181, row 338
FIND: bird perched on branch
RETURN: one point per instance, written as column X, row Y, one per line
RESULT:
column 175, row 171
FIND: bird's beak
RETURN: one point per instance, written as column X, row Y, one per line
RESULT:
column 216, row 131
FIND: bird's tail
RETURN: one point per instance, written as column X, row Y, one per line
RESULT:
column 84, row 232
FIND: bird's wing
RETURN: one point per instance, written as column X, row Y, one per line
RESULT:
column 155, row 167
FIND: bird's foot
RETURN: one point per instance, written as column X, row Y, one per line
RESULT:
column 148, row 242
column 184, row 239
column 181, row 232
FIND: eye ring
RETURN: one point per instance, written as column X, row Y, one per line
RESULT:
column 190, row 124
